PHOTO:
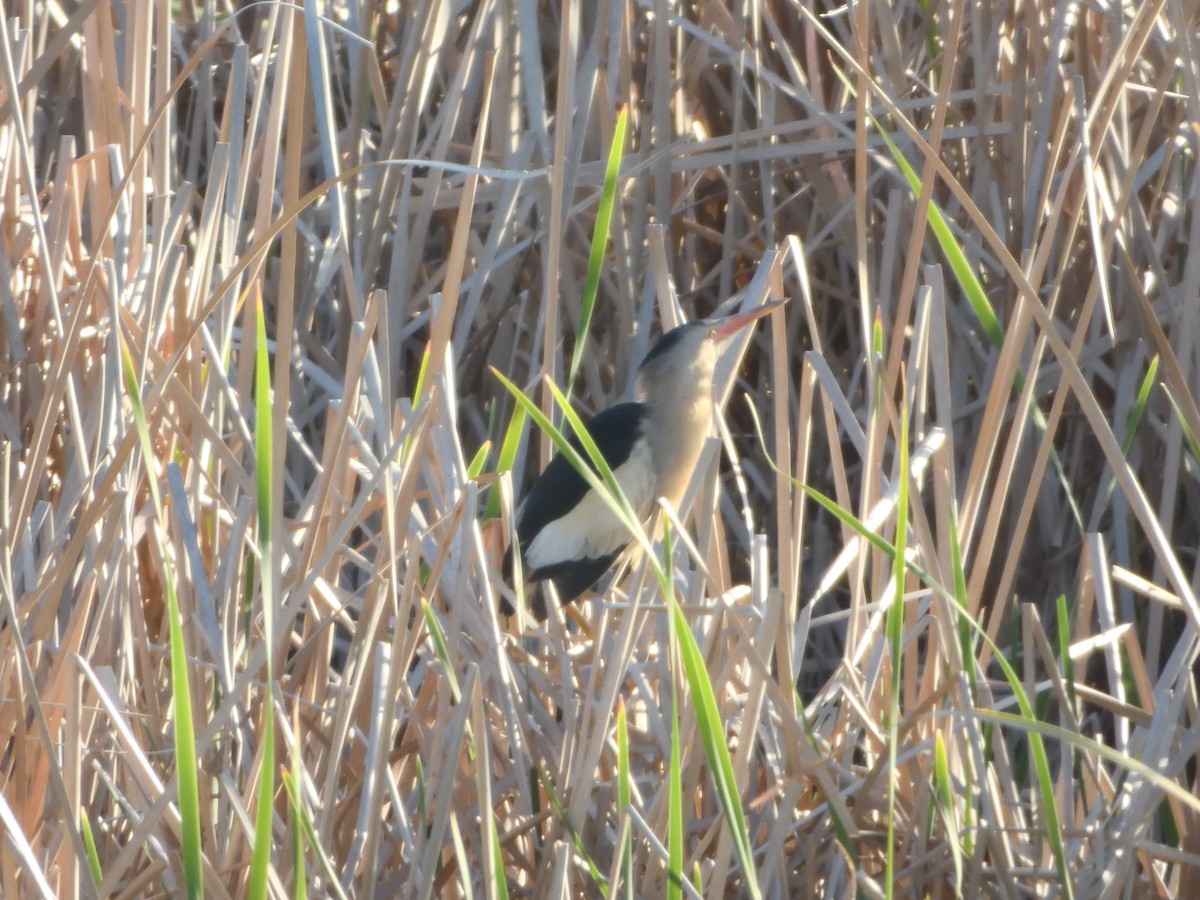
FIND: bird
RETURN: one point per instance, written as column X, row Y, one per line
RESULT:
column 566, row 533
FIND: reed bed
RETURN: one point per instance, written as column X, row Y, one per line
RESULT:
column 925, row 623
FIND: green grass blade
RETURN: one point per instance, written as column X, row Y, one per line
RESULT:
column 895, row 633
column 946, row 802
column 1135, row 419
column 508, row 453
column 1193, row 442
column 974, row 291
column 964, row 272
column 186, row 766
column 675, row 762
column 1139, row 406
column 840, row 828
column 263, row 443
column 478, row 461
column 260, row 860
column 499, row 878
column 1041, row 765
column 185, row 750
column 624, row 798
column 292, row 786
column 1064, row 649
column 332, row 881
column 966, row 642
column 591, row 285
column 89, row 841
column 441, row 649
column 422, row 372
column 1092, row 746
column 967, row 646
column 674, row 809
column 712, row 734
column 598, row 879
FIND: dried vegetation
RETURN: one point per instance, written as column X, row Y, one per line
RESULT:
column 1000, row 352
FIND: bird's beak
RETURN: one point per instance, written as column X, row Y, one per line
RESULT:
column 727, row 328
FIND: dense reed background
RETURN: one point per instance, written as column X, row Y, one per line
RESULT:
column 258, row 266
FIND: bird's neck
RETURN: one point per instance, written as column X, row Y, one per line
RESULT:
column 676, row 437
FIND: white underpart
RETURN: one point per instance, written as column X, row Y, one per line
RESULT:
column 591, row 529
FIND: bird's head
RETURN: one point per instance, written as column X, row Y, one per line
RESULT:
column 684, row 359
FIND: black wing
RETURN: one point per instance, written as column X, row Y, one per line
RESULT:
column 615, row 430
